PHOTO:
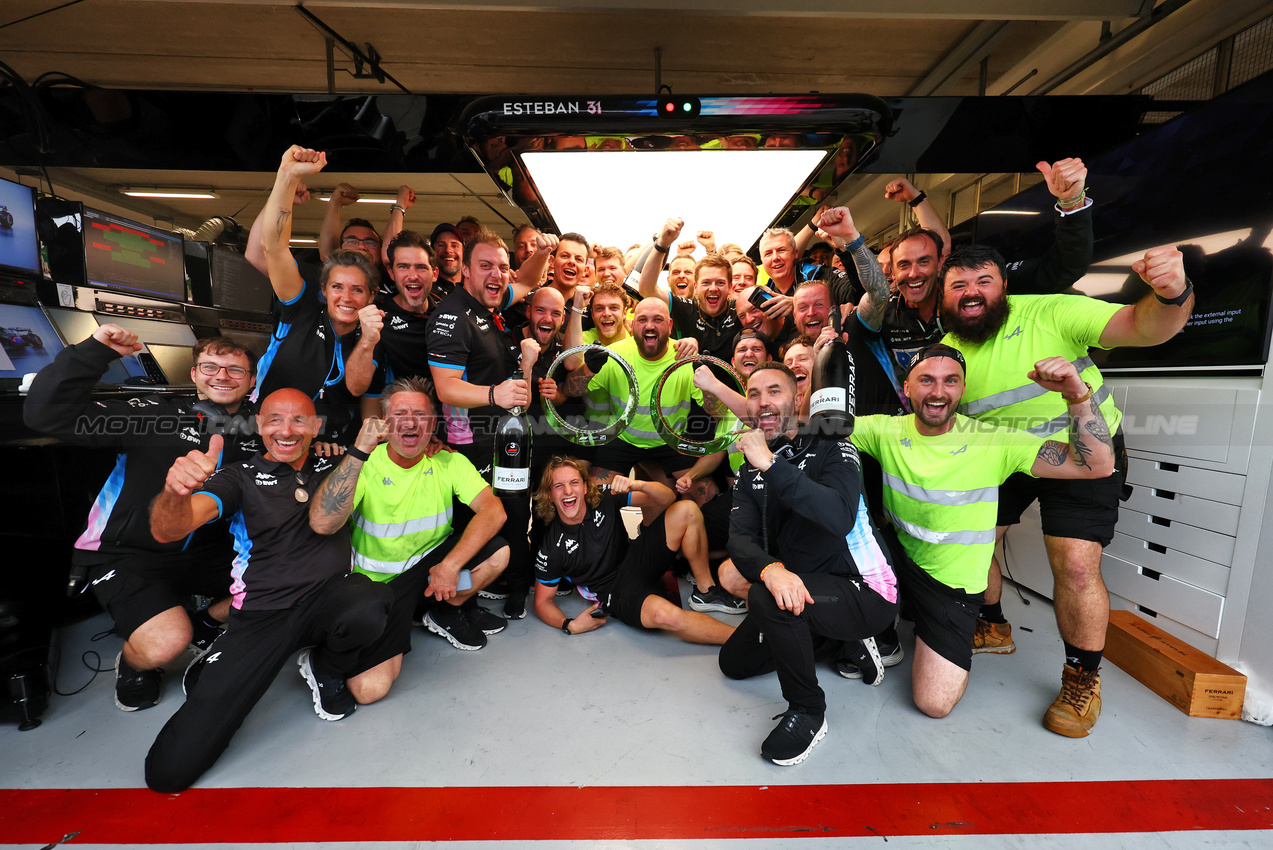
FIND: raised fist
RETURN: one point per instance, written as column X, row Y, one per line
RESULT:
column 300, row 162
column 671, row 230
column 901, row 190
column 344, row 194
column 120, row 341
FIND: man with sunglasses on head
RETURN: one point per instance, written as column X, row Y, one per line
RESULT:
column 161, row 597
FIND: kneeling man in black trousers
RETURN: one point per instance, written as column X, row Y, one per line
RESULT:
column 800, row 533
column 292, row 588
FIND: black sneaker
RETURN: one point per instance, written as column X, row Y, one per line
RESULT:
column 332, row 699
column 136, row 689
column 794, row 737
column 489, row 622
column 497, row 589
column 862, row 660
column 195, row 667
column 201, row 634
column 717, row 599
column 515, row 606
column 890, row 655
column 450, row 622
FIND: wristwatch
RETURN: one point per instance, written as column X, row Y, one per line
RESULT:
column 565, row 625
column 1180, row 299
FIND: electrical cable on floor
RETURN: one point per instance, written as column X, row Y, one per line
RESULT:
column 95, row 666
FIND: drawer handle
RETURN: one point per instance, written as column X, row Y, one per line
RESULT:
column 1165, row 494
column 1168, row 467
column 1149, row 612
column 1159, row 520
column 1148, row 573
column 1156, row 547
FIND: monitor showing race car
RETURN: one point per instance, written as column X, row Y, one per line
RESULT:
column 28, row 341
column 19, row 245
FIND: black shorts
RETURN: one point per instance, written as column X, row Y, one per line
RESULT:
column 945, row 616
column 620, row 456
column 134, row 588
column 640, row 574
column 1081, row 509
column 408, row 591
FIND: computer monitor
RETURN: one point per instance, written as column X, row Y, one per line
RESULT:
column 257, row 343
column 175, row 361
column 134, row 258
column 236, row 284
column 19, row 245
column 28, row 341
column 75, row 326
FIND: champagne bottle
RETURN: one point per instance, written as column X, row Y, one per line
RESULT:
column 831, row 392
column 511, row 467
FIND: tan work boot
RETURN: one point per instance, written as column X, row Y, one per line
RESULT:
column 993, row 637
column 1074, row 712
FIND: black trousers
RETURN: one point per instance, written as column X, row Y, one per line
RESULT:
column 341, row 617
column 770, row 638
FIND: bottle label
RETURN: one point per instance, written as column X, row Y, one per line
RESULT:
column 511, row 479
column 827, row 399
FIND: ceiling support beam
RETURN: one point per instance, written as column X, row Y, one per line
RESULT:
column 968, row 52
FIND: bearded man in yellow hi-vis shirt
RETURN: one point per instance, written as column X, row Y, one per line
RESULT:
column 1000, row 335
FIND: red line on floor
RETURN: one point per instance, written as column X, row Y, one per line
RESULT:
column 263, row 815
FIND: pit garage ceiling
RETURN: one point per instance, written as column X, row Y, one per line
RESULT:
column 903, row 47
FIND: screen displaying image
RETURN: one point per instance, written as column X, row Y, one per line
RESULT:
column 129, row 257
column 19, row 246
column 236, row 284
column 175, row 361
column 28, row 341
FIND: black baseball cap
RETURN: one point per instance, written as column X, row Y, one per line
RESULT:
column 444, row 227
column 938, row 350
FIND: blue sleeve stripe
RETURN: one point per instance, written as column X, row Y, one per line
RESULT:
column 445, row 365
column 217, row 499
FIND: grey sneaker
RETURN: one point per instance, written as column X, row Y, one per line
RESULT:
column 717, row 599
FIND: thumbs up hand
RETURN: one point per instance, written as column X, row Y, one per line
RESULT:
column 188, row 473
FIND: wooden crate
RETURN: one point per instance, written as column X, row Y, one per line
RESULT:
column 1188, row 678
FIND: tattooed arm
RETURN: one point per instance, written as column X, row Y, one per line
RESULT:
column 334, row 501
column 836, row 225
column 276, row 219
column 1090, row 451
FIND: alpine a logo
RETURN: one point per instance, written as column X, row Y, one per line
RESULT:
column 960, row 450
column 110, row 575
column 1015, row 332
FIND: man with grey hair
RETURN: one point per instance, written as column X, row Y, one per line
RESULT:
column 782, row 263
column 398, row 498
